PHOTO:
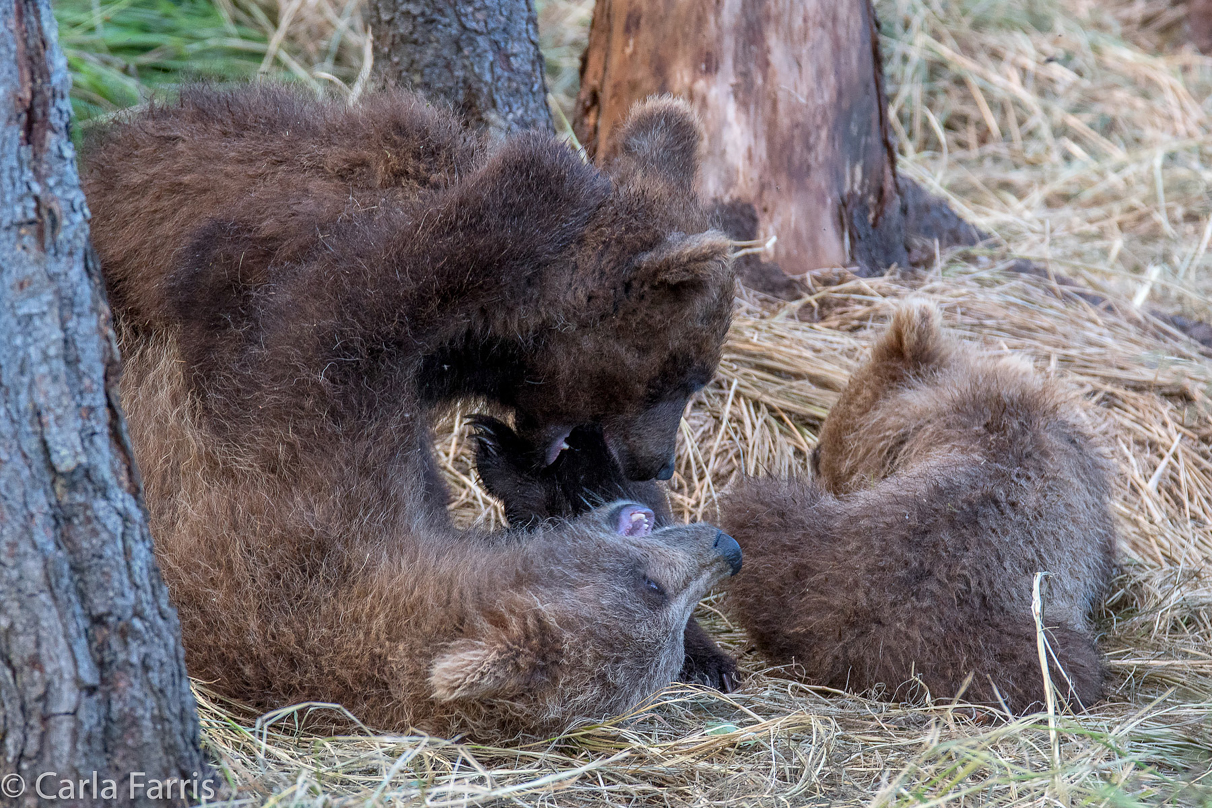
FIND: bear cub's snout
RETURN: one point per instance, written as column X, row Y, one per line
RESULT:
column 730, row 550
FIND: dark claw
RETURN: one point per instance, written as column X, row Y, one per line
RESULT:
column 705, row 663
column 487, row 433
column 718, row 672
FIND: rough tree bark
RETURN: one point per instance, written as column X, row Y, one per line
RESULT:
column 92, row 674
column 1199, row 20
column 791, row 95
column 480, row 56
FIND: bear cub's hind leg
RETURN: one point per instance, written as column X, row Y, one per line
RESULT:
column 583, row 476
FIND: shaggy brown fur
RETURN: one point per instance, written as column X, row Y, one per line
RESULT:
column 582, row 478
column 315, row 589
column 947, row 480
column 336, row 274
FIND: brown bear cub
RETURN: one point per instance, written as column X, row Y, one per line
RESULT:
column 335, row 277
column 946, row 479
column 301, row 287
column 583, row 477
column 305, row 590
column 348, row 271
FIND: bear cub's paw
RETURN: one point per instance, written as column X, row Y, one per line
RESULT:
column 582, row 476
column 508, row 473
column 705, row 663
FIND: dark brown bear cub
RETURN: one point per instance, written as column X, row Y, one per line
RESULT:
column 946, row 480
column 350, row 271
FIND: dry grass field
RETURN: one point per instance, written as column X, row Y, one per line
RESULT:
column 1077, row 134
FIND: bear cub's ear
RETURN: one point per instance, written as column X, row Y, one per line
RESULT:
column 507, row 663
column 703, row 258
column 914, row 340
column 473, row 669
column 662, row 137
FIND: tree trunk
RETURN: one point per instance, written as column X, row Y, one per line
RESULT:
column 93, row 675
column 1199, row 20
column 480, row 56
column 791, row 95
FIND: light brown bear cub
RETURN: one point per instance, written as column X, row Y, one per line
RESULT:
column 305, row 591
column 946, row 480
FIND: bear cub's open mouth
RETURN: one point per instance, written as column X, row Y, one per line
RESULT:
column 635, row 520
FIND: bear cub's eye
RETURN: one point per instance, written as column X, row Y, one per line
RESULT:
column 654, row 593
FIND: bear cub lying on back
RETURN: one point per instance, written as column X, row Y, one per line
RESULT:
column 316, row 594
column 946, row 479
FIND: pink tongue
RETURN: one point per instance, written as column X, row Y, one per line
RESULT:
column 558, row 445
column 635, row 520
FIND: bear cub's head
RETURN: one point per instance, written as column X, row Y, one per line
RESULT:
column 652, row 287
column 594, row 619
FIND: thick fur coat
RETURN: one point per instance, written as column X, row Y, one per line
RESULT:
column 315, row 590
column 946, row 479
column 300, row 288
column 336, row 275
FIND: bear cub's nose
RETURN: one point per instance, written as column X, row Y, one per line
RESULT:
column 727, row 547
column 666, row 472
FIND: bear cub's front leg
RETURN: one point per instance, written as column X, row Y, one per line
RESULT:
column 583, row 476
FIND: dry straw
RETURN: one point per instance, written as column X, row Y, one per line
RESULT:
column 1077, row 133
column 778, row 742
